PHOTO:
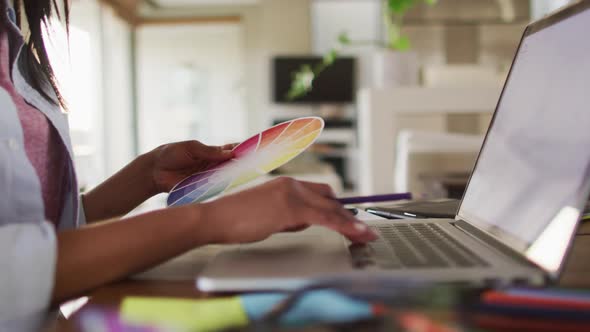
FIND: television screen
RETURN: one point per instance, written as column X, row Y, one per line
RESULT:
column 336, row 84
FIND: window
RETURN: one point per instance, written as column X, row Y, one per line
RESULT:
column 94, row 71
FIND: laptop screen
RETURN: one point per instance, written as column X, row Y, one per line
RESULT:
column 531, row 177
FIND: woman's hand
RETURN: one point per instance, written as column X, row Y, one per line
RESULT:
column 279, row 205
column 171, row 163
column 150, row 174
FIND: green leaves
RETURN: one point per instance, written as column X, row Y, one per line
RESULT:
column 393, row 14
column 343, row 39
column 393, row 18
column 402, row 43
column 302, row 82
column 303, row 78
column 330, row 57
column 400, row 6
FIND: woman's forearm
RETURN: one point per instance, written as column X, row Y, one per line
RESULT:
column 103, row 252
column 107, row 251
column 122, row 192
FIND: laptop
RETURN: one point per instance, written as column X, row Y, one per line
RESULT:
column 418, row 209
column 426, row 208
column 519, row 211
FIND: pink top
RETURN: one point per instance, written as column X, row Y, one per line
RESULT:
column 43, row 145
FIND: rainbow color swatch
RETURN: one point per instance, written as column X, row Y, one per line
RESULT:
column 254, row 157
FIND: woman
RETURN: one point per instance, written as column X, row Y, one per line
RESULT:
column 55, row 245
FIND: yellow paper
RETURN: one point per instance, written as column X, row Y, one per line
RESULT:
column 185, row 314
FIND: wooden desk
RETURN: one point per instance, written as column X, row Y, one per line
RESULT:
column 576, row 274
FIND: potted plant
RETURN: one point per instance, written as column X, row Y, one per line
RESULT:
column 394, row 64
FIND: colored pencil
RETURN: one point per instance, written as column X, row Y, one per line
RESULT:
column 374, row 198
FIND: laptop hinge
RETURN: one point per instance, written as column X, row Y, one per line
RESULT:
column 495, row 244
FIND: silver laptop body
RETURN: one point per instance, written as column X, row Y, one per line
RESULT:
column 521, row 206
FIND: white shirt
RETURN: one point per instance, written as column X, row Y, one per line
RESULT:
column 27, row 240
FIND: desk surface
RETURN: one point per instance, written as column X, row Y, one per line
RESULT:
column 576, row 274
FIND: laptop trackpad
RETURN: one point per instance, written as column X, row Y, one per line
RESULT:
column 314, row 251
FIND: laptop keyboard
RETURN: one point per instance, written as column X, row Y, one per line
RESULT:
column 414, row 246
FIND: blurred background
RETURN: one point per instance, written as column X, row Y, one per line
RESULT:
column 405, row 110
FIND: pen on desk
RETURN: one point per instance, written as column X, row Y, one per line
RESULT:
column 354, row 211
column 394, row 215
column 374, row 198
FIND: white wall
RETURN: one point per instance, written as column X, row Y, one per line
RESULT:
column 270, row 27
column 360, row 20
column 190, row 84
column 540, row 8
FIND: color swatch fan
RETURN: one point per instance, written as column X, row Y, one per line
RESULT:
column 254, row 157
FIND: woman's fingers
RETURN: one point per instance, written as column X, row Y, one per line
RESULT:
column 198, row 150
column 330, row 213
column 230, row 146
column 295, row 229
column 319, row 188
column 354, row 231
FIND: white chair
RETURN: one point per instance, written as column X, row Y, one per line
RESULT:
column 421, row 153
column 383, row 114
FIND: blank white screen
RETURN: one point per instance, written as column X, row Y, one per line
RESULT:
column 537, row 152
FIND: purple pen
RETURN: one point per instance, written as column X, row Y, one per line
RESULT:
column 374, row 198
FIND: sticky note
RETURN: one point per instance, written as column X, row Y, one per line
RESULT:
column 319, row 306
column 185, row 314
